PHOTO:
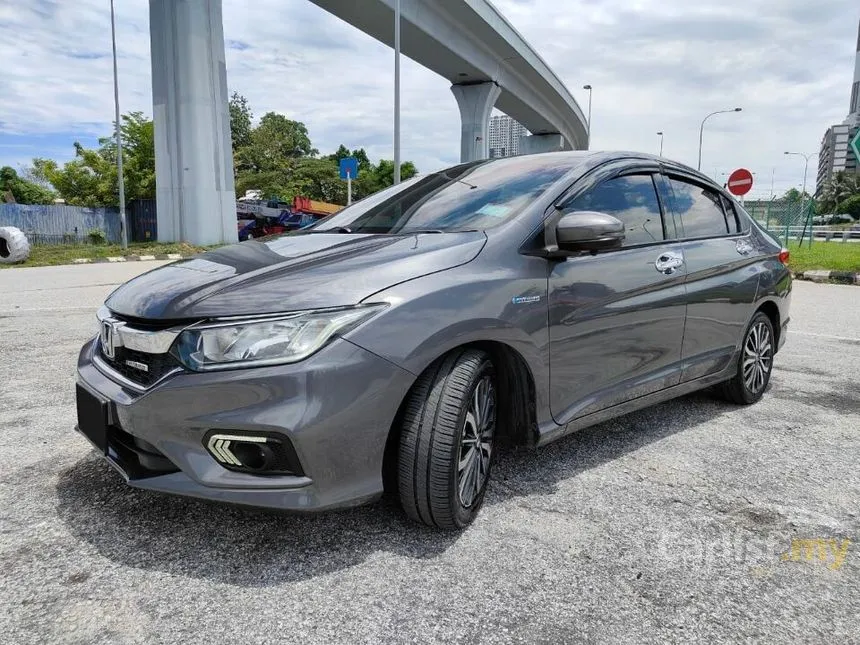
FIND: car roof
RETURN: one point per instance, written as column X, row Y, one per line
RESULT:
column 595, row 158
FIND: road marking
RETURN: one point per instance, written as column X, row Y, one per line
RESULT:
column 72, row 286
column 52, row 309
column 831, row 336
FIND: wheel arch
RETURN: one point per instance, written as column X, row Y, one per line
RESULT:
column 771, row 310
column 517, row 415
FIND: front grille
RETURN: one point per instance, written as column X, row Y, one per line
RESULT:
column 158, row 365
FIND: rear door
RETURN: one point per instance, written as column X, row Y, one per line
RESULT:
column 722, row 279
column 616, row 319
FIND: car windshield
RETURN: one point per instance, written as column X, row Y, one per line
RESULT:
column 473, row 196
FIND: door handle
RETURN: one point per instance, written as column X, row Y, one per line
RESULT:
column 669, row 262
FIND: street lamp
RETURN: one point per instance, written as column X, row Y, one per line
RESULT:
column 118, row 136
column 702, row 130
column 660, row 134
column 588, row 122
column 806, row 157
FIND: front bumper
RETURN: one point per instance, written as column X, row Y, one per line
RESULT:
column 335, row 409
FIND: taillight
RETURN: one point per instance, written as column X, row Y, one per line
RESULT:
column 783, row 256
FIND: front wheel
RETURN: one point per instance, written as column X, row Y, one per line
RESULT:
column 447, row 440
column 755, row 363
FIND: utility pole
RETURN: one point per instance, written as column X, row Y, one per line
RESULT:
column 396, row 92
column 118, row 135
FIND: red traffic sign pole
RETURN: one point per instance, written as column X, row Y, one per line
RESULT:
column 740, row 182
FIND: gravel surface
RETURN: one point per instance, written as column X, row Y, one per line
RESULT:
column 672, row 524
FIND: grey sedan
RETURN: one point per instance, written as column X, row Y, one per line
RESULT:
column 396, row 344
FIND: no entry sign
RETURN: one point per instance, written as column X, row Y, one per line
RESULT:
column 740, row 182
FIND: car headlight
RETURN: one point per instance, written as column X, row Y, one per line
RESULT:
column 269, row 341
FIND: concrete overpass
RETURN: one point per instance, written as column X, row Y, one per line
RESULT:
column 487, row 62
column 466, row 41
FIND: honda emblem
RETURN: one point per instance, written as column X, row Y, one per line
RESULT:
column 108, row 339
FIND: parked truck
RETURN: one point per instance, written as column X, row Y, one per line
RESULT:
column 258, row 218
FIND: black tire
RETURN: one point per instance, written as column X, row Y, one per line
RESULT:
column 758, row 363
column 435, row 435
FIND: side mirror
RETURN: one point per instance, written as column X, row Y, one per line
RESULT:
column 589, row 231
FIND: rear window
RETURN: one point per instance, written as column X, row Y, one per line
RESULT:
column 700, row 209
column 474, row 196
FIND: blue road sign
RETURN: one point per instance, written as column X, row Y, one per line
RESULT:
column 349, row 165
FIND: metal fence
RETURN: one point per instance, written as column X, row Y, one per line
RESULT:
column 60, row 224
column 787, row 220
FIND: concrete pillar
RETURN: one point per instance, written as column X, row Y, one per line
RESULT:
column 475, row 101
column 193, row 156
column 535, row 143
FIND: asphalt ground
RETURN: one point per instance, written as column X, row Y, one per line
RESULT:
column 694, row 521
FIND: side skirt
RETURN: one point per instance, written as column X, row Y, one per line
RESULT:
column 548, row 433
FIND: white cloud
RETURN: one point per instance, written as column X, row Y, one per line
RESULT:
column 654, row 64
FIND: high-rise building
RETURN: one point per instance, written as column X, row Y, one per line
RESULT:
column 836, row 154
column 505, row 136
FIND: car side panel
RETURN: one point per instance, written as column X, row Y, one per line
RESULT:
column 501, row 299
column 616, row 325
column 722, row 284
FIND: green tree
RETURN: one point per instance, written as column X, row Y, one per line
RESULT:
column 793, row 195
column 240, row 121
column 138, row 155
column 22, row 190
column 360, row 154
column 274, row 142
column 90, row 179
column 851, row 206
column 839, row 188
column 382, row 175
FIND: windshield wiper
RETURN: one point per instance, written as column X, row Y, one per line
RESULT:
column 339, row 229
column 465, row 183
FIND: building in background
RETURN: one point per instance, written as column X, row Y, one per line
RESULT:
column 505, row 136
column 836, row 154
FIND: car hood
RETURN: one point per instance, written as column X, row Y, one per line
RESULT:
column 290, row 273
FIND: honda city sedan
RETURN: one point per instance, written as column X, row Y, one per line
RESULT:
column 395, row 345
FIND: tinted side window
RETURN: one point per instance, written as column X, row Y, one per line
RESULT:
column 631, row 199
column 700, row 209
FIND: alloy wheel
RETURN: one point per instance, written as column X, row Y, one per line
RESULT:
column 476, row 442
column 757, row 358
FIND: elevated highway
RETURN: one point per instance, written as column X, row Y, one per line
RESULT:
column 488, row 63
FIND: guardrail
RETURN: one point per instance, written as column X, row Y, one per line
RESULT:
column 819, row 233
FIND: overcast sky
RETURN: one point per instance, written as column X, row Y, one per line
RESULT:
column 654, row 64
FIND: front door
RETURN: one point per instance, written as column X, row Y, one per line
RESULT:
column 616, row 319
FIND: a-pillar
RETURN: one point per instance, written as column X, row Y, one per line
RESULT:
column 475, row 101
column 195, row 193
column 535, row 143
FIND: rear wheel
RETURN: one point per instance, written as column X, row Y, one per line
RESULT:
column 447, row 440
column 754, row 365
